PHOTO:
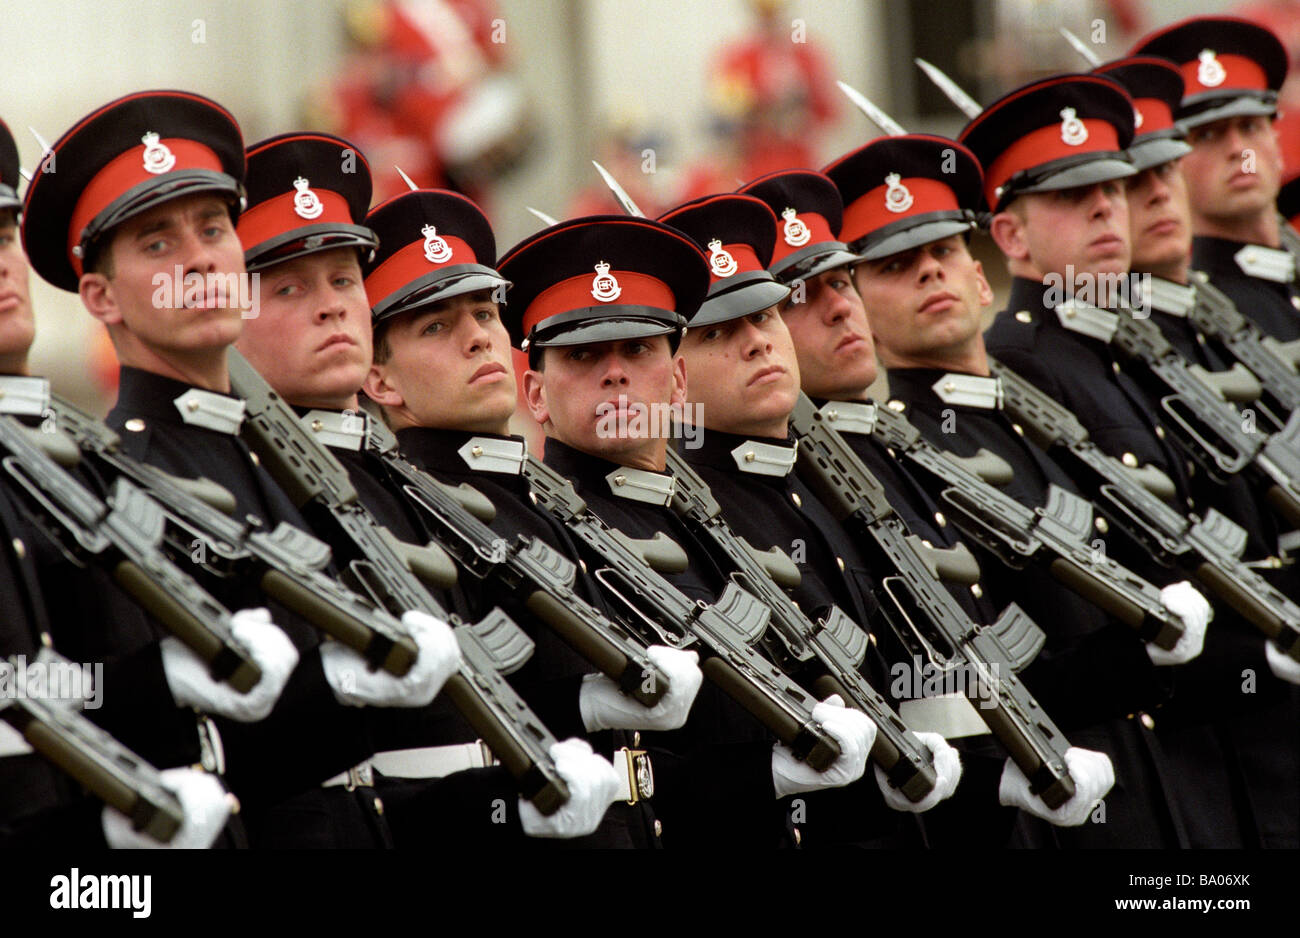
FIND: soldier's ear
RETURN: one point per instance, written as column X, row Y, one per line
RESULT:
column 1008, row 231
column 679, row 381
column 97, row 296
column 985, row 291
column 535, row 396
column 381, row 389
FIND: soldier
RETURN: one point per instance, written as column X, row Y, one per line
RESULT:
column 1232, row 70
column 142, row 206
column 312, row 342
column 594, row 371
column 745, row 386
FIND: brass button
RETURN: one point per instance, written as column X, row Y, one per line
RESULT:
column 1100, row 524
column 532, row 497
column 1160, row 433
column 1019, row 429
column 191, row 405
column 794, row 496
column 1023, row 316
column 20, row 549
column 949, row 386
column 871, row 639
column 940, row 520
column 620, row 480
column 1129, row 460
column 896, row 405
column 976, row 590
column 840, row 561
column 1114, row 366
column 749, row 456
column 659, row 828
column 798, row 837
column 379, row 806
column 636, row 739
column 1200, row 337
column 1069, row 312
column 317, row 426
column 581, row 563
column 135, row 424
column 832, row 414
column 1147, row 721
column 476, row 451
column 257, row 460
column 1295, row 301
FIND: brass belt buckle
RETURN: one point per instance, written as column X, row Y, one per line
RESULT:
column 360, row 776
column 640, row 774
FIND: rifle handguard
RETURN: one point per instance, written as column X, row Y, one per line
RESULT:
column 1236, row 384
column 777, row 564
column 953, row 564
column 660, row 553
column 988, row 465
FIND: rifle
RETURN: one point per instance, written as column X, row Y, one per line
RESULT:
column 827, row 653
column 1055, row 535
column 319, row 485
column 723, row 631
column 914, row 601
column 285, row 564
column 1207, row 548
column 123, row 536
column 58, row 731
column 1274, row 363
column 1207, row 427
column 528, row 568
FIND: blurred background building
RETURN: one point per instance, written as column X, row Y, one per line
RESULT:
column 509, row 100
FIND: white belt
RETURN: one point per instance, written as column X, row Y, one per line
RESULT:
column 949, row 715
column 433, row 761
column 359, row 776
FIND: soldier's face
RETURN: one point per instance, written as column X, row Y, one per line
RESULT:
column 828, row 324
column 1235, row 168
column 924, row 305
column 17, row 325
column 174, row 290
column 605, row 398
column 1085, row 228
column 449, row 367
column 1159, row 218
column 311, row 338
column 744, row 374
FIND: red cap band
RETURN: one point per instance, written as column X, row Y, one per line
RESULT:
column 123, row 173
column 410, row 264
column 276, row 216
column 635, row 289
column 1240, row 74
column 746, row 261
column 1044, row 145
column 1155, row 115
column 870, row 213
column 787, row 229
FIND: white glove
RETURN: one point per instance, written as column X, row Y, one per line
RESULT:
column 593, row 787
column 192, row 686
column 852, row 729
column 604, row 707
column 1093, row 776
column 1284, row 667
column 947, row 770
column 1186, row 602
column 204, row 801
column 356, row 685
